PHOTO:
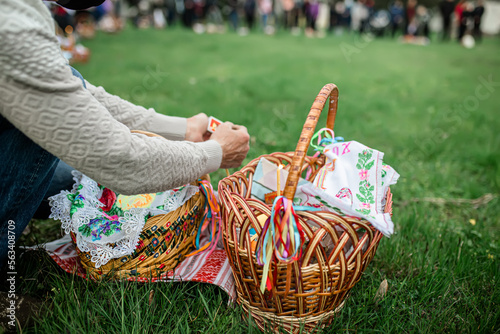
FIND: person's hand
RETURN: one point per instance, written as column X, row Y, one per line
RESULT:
column 234, row 140
column 196, row 128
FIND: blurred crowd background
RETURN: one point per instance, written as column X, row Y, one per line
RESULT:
column 411, row 21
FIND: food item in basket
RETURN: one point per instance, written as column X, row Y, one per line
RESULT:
column 265, row 180
column 253, row 235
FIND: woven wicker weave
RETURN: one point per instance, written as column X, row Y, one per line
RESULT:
column 308, row 293
column 164, row 242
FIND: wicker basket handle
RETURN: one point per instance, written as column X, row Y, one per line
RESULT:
column 308, row 131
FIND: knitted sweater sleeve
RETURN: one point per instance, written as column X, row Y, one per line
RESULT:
column 139, row 118
column 40, row 96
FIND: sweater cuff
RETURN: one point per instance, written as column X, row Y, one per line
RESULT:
column 170, row 127
column 214, row 152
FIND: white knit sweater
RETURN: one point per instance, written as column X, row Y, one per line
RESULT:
column 88, row 128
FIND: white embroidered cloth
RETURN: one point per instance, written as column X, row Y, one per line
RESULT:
column 353, row 181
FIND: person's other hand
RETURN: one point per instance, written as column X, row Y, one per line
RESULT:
column 234, row 140
column 196, row 128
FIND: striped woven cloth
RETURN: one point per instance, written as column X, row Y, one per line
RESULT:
column 212, row 269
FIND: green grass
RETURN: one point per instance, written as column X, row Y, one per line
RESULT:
column 416, row 104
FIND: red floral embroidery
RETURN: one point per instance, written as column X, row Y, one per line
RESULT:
column 108, row 198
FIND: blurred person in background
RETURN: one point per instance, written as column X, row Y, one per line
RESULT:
column 110, row 16
column 410, row 13
column 422, row 17
column 265, row 10
column 249, row 9
column 368, row 8
column 459, row 9
column 333, row 16
column 359, row 15
column 378, row 22
column 214, row 20
column 297, row 12
column 142, row 14
column 397, row 11
column 477, row 15
column 370, row 5
column 446, row 8
column 63, row 18
column 171, row 12
column 48, row 113
column 463, row 13
column 133, row 11
column 343, row 16
column 199, row 10
column 158, row 11
column 234, row 18
column 188, row 15
column 288, row 6
column 311, row 10
column 116, row 16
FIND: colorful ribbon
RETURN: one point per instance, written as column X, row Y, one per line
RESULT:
column 211, row 215
column 321, row 142
column 280, row 241
column 282, row 236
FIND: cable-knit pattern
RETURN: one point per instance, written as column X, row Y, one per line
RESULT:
column 40, row 96
column 140, row 118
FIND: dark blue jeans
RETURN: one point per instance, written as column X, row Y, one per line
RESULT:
column 26, row 171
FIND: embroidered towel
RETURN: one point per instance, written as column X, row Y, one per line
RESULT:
column 354, row 181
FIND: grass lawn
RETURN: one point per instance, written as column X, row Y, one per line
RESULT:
column 433, row 110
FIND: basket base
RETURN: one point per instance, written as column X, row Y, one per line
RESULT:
column 289, row 324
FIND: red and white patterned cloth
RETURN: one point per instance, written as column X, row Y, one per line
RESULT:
column 214, row 269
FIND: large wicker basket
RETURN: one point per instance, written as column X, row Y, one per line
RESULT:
column 307, row 294
column 164, row 242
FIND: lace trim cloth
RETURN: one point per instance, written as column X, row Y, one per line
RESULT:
column 106, row 224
